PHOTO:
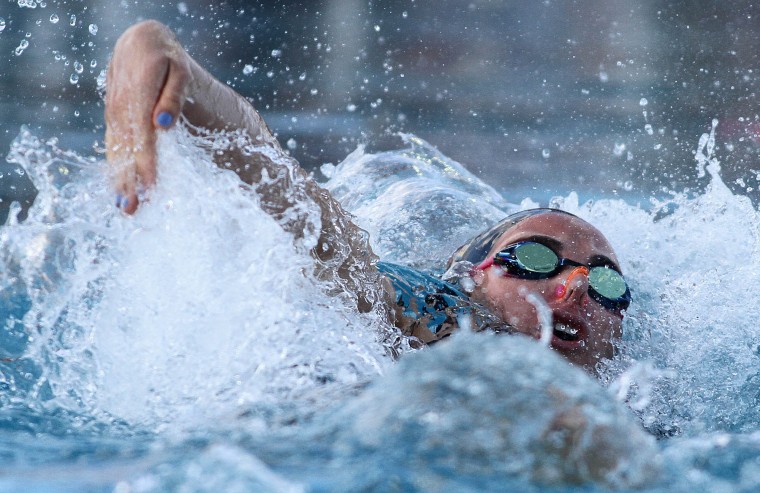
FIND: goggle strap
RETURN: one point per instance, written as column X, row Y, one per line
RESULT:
column 485, row 264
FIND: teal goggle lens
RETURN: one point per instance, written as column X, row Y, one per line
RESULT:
column 607, row 282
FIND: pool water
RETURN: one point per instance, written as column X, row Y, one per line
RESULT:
column 188, row 347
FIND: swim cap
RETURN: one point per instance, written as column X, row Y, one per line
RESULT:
column 476, row 249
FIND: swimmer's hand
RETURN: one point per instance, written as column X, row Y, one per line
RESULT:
column 147, row 85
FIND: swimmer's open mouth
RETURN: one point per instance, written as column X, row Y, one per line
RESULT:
column 566, row 332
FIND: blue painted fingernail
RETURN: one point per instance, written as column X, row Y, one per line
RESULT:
column 121, row 201
column 164, row 119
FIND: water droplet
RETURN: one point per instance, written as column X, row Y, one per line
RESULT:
column 93, row 63
column 76, row 113
column 73, row 20
column 292, row 144
column 351, row 107
column 276, row 53
column 628, row 186
column 314, row 92
column 182, row 8
column 270, row 74
column 328, row 170
column 54, row 18
column 93, row 29
column 546, row 153
column 404, row 14
column 302, row 76
column 2, row 24
column 377, row 28
column 619, row 149
column 248, row 69
column 78, row 67
column 74, row 79
column 648, row 129
column 643, row 102
column 24, row 44
column 101, row 80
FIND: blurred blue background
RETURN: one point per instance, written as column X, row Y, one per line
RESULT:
column 538, row 98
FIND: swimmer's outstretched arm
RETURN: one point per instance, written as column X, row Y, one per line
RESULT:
column 152, row 81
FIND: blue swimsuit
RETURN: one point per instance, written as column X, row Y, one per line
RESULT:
column 434, row 306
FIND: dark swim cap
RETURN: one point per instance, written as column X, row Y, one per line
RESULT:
column 476, row 249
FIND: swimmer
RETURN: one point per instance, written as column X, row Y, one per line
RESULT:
column 529, row 265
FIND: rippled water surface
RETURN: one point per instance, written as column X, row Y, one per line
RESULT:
column 187, row 348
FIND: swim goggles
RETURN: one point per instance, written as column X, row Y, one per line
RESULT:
column 532, row 260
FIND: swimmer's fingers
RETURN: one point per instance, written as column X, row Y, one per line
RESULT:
column 167, row 98
column 173, row 94
column 146, row 79
column 131, row 147
column 134, row 166
column 121, row 159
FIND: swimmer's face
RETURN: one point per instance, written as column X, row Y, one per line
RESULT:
column 565, row 294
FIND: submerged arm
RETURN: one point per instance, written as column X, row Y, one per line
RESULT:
column 152, row 81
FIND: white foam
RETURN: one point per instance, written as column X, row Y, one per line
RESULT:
column 196, row 307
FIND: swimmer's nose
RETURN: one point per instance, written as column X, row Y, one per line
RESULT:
column 574, row 285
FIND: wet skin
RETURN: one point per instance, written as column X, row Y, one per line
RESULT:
column 565, row 295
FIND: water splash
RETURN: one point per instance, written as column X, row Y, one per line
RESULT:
column 705, row 153
column 482, row 420
column 415, row 202
column 689, row 260
column 107, row 306
column 691, row 263
column 196, row 306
